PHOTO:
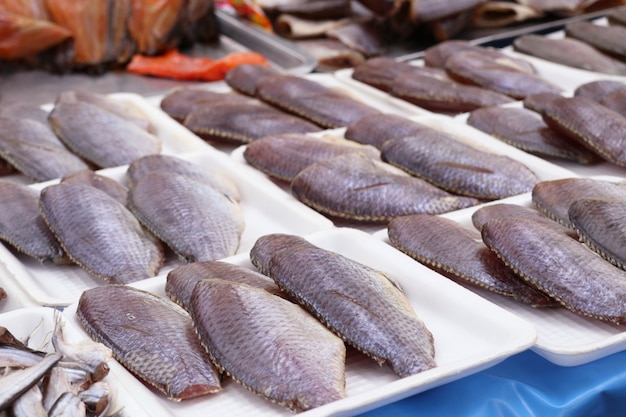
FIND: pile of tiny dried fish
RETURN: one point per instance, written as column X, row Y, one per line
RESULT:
column 68, row 381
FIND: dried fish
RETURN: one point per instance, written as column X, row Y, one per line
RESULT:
column 151, row 336
column 377, row 129
column 244, row 78
column 34, row 150
column 23, row 227
column 68, row 405
column 29, row 404
column 459, row 254
column 19, row 381
column 609, row 39
column 497, row 14
column 525, row 130
column 182, row 101
column 106, row 184
column 357, row 302
column 617, row 16
column 282, row 354
column 195, row 220
column 429, row 10
column 311, row 100
column 100, row 136
column 182, row 280
column 100, row 234
column 609, row 93
column 96, row 397
column 16, row 357
column 330, row 54
column 355, row 187
column 380, row 71
column 284, row 156
column 589, row 285
column 364, row 36
column 457, row 167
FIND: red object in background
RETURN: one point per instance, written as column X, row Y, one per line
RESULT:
column 176, row 65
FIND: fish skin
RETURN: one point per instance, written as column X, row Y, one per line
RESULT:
column 377, row 129
column 380, row 71
column 355, row 187
column 106, row 184
column 539, row 102
column 100, row 234
column 567, row 270
column 34, row 150
column 100, row 136
column 22, row 225
column 359, row 303
column 281, row 352
column 152, row 337
column 457, row 167
column 179, row 102
column 24, row 111
column 459, row 254
column 244, row 78
column 609, row 39
column 195, row 220
column 525, row 129
column 596, row 90
column 506, row 210
column 429, row 10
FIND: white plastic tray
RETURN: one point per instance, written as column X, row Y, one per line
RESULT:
column 470, row 335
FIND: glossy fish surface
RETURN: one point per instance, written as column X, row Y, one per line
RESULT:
column 195, row 220
column 34, row 150
column 284, row 156
column 589, row 285
column 244, row 78
column 102, row 183
column 357, row 302
column 355, row 187
column 457, row 167
column 182, row 101
column 377, row 129
column 525, row 130
column 22, row 225
column 458, row 253
column 100, row 234
column 182, row 279
column 100, row 136
column 151, row 336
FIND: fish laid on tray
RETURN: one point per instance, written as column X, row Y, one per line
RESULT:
column 609, row 39
column 179, row 102
column 151, row 336
column 245, row 77
column 377, row 129
column 106, row 184
column 362, row 305
column 609, row 93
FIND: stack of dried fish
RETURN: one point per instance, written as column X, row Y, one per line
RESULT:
column 68, row 381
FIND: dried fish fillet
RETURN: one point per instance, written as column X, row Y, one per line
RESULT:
column 429, row 10
column 34, row 150
column 100, row 234
column 589, row 285
column 22, row 225
column 505, row 210
column 377, row 129
column 610, row 39
column 198, row 222
column 458, row 253
column 357, row 302
column 100, row 136
column 102, row 183
column 182, row 101
column 380, row 71
column 244, row 78
column 355, row 187
column 151, row 336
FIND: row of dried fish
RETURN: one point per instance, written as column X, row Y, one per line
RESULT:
column 586, row 45
column 523, row 253
column 83, row 131
column 117, row 234
column 279, row 332
column 67, row 380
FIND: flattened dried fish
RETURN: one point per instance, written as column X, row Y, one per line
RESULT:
column 100, row 234
column 496, row 14
column 244, row 78
column 380, row 71
column 429, row 10
column 22, row 225
column 271, row 346
column 609, row 93
column 377, row 129
column 357, row 302
column 505, row 210
column 34, row 150
column 458, row 253
column 24, row 111
column 102, row 183
column 457, row 167
column 182, row 101
column 539, row 102
column 525, row 130
column 589, row 285
column 284, row 156
column 195, row 220
column 610, row 39
column 100, row 136
column 330, row 54
column 151, row 336
column 355, row 187
column 182, row 280
column 617, row 16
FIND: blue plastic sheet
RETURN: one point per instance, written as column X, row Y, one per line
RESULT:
column 524, row 385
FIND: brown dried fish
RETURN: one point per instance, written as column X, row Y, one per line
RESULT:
column 429, row 10
column 609, row 93
column 244, row 78
column 617, row 16
column 34, row 150
column 151, row 336
column 377, row 129
column 525, row 130
column 497, row 14
column 459, row 254
column 380, row 71
column 457, row 167
column 284, row 156
column 554, row 197
column 100, row 234
column 182, row 101
column 357, row 302
column 195, row 220
column 589, row 285
column 271, row 346
column 311, row 100
column 23, row 227
column 355, row 187
column 610, row 39
column 539, row 102
column 100, row 136
column 330, row 54
column 106, row 184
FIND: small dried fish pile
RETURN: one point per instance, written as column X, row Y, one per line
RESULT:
column 67, row 381
column 152, row 337
column 362, row 305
